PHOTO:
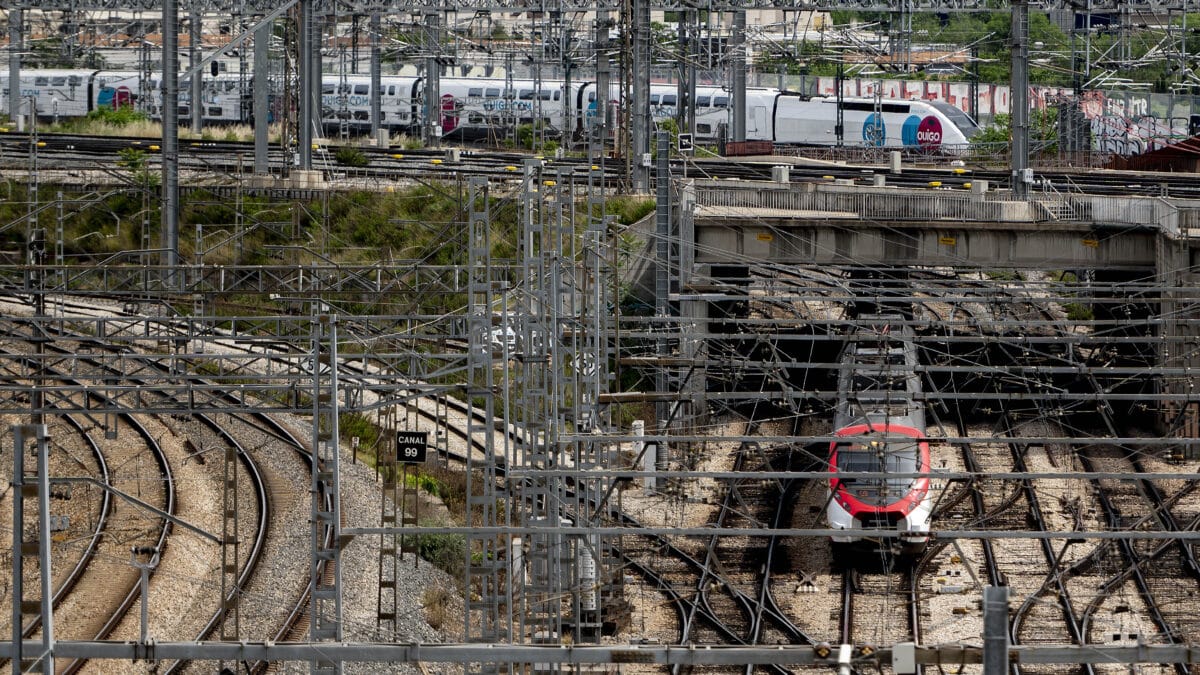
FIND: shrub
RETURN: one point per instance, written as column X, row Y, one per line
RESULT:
column 118, row 117
column 350, row 156
column 1079, row 312
column 444, row 551
column 629, row 210
column 436, row 603
column 136, row 162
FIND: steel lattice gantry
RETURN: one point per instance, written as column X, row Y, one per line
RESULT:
column 261, row 7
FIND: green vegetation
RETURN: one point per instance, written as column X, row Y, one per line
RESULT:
column 355, row 424
column 529, row 135
column 1079, row 312
column 629, row 209
column 1004, row 275
column 1043, row 128
column 118, row 117
column 1076, row 311
column 447, row 552
column 986, row 36
column 138, row 165
column 348, row 155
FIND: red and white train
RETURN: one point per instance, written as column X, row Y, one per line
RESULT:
column 879, row 426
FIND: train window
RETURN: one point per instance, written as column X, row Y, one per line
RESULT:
column 491, row 92
column 475, row 92
column 721, row 102
column 74, row 81
column 215, row 111
column 653, row 99
column 591, row 96
column 960, row 118
column 669, row 99
column 704, row 128
column 703, row 101
column 526, row 95
column 362, row 88
column 327, row 89
column 41, row 81
column 557, row 94
column 525, row 120
column 391, row 90
column 544, row 94
column 474, row 118
column 546, row 121
column 870, row 106
column 58, row 82
column 360, row 115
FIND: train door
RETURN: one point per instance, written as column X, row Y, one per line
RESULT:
column 757, row 124
column 450, row 108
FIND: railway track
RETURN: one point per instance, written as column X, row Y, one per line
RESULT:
column 246, row 564
column 102, row 582
column 283, row 491
column 76, row 153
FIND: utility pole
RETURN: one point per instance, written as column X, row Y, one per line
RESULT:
column 1022, row 175
column 16, row 17
column 738, row 100
column 170, row 143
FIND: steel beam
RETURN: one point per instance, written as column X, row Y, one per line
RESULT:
column 681, row 655
column 262, row 111
column 329, row 7
column 692, row 654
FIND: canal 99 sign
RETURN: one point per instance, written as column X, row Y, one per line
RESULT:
column 411, row 446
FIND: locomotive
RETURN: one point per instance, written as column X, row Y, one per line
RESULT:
column 879, row 427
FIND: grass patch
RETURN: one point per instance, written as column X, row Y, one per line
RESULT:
column 436, row 603
column 629, row 209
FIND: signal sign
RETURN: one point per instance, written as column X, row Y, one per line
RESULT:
column 411, row 446
column 685, row 142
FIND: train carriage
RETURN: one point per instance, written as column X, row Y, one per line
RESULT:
column 56, row 93
column 867, row 122
column 347, row 100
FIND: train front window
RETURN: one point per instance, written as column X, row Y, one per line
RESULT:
column 879, row 454
column 961, row 119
